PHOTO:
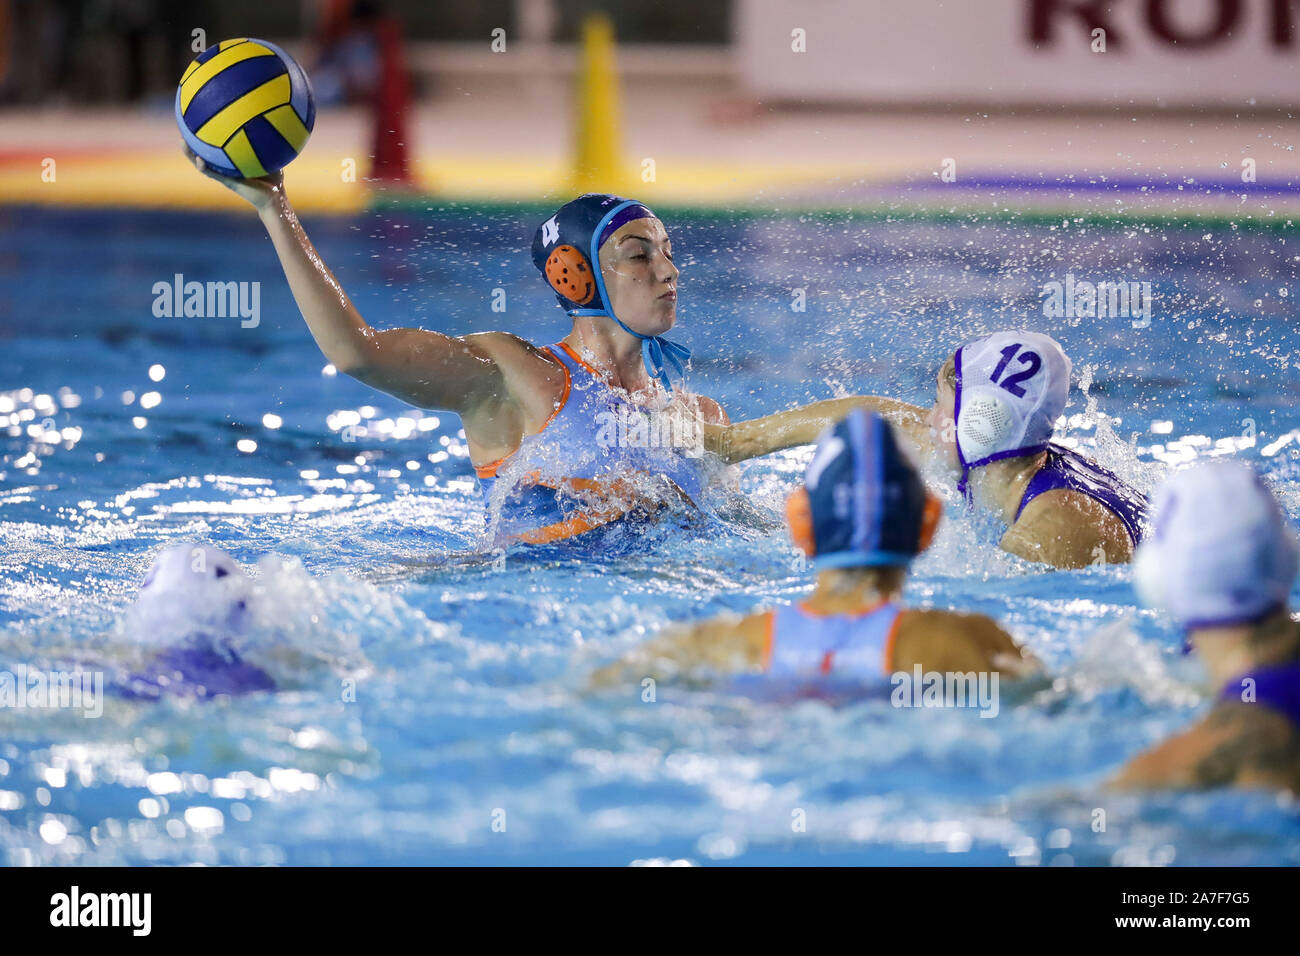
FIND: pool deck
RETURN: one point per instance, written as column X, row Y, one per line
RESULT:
column 708, row 150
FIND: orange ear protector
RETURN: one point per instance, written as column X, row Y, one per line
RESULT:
column 929, row 521
column 798, row 514
column 569, row 274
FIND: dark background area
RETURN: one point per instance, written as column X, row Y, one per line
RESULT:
column 97, row 51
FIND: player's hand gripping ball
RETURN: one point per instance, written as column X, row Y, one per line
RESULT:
column 245, row 108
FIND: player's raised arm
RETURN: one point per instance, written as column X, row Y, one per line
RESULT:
column 419, row 366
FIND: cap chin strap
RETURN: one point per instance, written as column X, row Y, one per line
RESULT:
column 655, row 349
column 863, row 559
column 967, row 467
column 657, row 352
column 962, row 488
column 1236, row 620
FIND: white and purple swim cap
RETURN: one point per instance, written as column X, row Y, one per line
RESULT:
column 1221, row 552
column 1011, row 389
column 190, row 589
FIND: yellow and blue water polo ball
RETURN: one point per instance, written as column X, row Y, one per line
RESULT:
column 245, row 107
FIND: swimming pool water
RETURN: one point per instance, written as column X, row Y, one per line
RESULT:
column 435, row 705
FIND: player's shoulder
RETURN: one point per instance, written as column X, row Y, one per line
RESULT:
column 1065, row 502
column 1235, row 743
column 1069, row 528
column 498, row 344
column 708, row 410
column 965, row 622
column 523, row 363
column 1210, row 753
column 732, row 641
column 755, row 628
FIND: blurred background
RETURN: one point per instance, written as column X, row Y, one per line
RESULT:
column 732, row 101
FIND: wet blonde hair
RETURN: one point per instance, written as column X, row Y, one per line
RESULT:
column 948, row 372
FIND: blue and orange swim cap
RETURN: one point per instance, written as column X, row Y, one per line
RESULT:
column 566, row 250
column 863, row 503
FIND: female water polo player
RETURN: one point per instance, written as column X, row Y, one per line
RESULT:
column 997, row 403
column 1221, row 563
column 862, row 515
column 537, row 420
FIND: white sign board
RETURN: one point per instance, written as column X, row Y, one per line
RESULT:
column 1139, row 53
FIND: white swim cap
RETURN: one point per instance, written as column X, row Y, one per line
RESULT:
column 1011, row 389
column 190, row 588
column 1221, row 551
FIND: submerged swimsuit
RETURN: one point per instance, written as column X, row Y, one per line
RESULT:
column 598, row 459
column 196, row 669
column 802, row 643
column 1068, row 469
column 1277, row 688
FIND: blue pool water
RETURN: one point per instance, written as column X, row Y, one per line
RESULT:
column 435, row 705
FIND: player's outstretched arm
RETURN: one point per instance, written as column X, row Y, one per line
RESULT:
column 801, row 426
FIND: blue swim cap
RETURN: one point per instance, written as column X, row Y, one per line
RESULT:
column 566, row 251
column 863, row 503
